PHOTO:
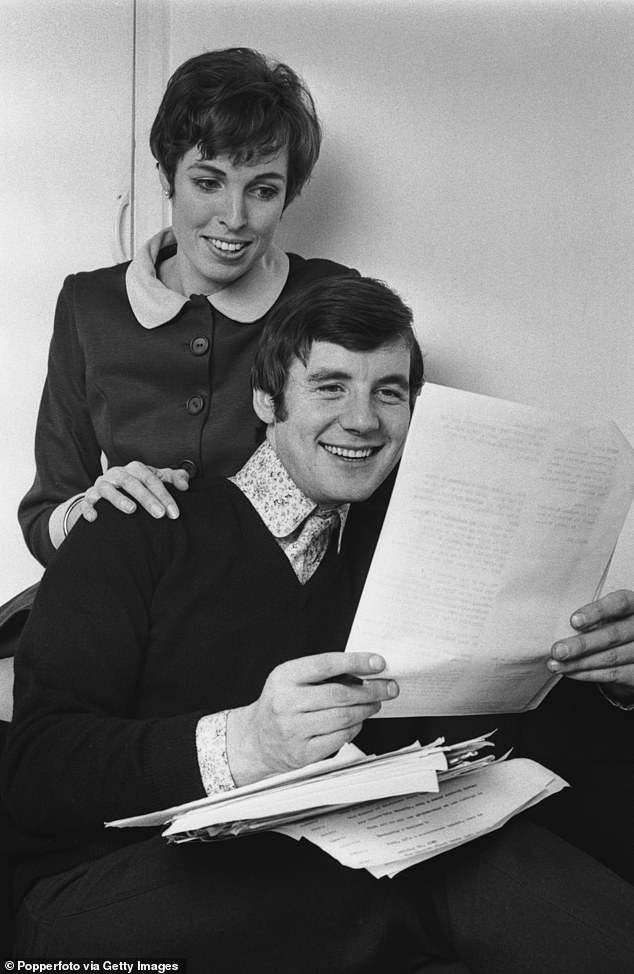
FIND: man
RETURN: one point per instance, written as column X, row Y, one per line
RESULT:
column 165, row 660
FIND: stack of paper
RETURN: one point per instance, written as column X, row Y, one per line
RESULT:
column 382, row 813
column 347, row 778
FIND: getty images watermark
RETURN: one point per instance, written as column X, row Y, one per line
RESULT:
column 97, row 966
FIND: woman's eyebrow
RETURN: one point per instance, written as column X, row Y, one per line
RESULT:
column 269, row 175
column 208, row 167
column 217, row 171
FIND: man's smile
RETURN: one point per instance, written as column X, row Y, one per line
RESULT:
column 350, row 452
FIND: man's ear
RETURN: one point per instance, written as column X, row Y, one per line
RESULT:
column 264, row 406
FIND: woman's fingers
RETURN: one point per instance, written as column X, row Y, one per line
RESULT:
column 136, row 484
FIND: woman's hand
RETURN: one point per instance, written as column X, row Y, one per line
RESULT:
column 308, row 709
column 603, row 649
column 142, row 483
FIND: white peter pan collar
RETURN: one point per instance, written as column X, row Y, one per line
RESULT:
column 152, row 303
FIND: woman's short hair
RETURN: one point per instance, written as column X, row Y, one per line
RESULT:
column 239, row 103
column 358, row 313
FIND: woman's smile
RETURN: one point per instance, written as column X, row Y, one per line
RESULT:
column 228, row 246
column 227, row 250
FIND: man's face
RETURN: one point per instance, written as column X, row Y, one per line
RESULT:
column 347, row 415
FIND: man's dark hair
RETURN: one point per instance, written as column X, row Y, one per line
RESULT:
column 238, row 103
column 358, row 313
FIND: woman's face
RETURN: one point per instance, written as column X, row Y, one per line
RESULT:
column 224, row 217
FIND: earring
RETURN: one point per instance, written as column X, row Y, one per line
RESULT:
column 166, row 193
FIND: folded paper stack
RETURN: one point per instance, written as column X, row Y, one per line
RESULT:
column 401, row 807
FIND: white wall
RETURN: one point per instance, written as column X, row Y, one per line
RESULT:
column 65, row 137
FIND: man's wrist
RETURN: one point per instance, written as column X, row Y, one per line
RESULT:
column 243, row 762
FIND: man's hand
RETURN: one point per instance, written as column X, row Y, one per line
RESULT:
column 142, row 483
column 603, row 649
column 308, row 709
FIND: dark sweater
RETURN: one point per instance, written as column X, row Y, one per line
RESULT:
column 140, row 627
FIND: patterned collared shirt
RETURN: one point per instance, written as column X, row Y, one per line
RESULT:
column 303, row 531
column 287, row 512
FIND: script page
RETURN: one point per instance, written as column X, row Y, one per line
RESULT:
column 502, row 521
column 388, row 836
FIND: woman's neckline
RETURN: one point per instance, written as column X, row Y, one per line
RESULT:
column 248, row 298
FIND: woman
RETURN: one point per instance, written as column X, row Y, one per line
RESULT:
column 149, row 362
